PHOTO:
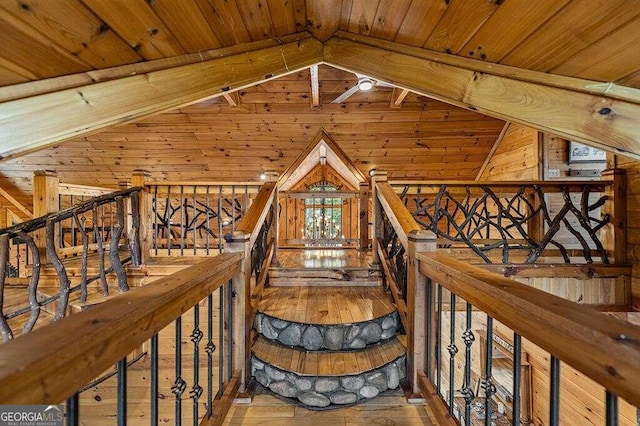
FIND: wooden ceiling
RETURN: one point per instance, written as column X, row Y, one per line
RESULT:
column 590, row 39
column 269, row 128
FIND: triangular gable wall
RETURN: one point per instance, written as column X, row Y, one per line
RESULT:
column 310, row 158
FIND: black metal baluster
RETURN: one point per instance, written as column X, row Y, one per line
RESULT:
column 183, row 218
column 155, row 219
column 430, row 318
column 210, row 348
column 230, row 328
column 73, row 410
column 233, row 207
column 221, row 345
column 168, row 215
column 194, row 225
column 517, row 378
column 611, row 409
column 469, row 338
column 489, row 387
column 453, row 349
column 73, row 228
column 554, row 393
column 196, row 338
column 154, row 380
column 180, row 385
column 439, row 342
column 122, row 392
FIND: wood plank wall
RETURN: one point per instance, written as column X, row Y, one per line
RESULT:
column 516, row 157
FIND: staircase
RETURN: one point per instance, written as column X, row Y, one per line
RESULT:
column 327, row 346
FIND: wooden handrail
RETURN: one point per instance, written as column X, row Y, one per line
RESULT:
column 398, row 214
column 250, row 224
column 52, row 363
column 603, row 348
column 82, row 190
column 508, row 186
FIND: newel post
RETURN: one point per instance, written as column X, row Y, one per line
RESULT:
column 140, row 178
column 417, row 307
column 45, row 200
column 615, row 241
column 239, row 242
column 378, row 224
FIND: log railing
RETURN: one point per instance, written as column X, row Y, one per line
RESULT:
column 189, row 219
column 467, row 306
column 256, row 237
column 522, row 222
column 53, row 363
column 109, row 247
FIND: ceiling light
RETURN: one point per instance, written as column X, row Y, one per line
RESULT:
column 263, row 176
column 365, row 83
column 372, row 172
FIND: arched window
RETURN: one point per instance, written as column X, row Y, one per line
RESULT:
column 323, row 214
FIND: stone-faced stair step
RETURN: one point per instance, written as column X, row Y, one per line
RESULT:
column 335, row 318
column 323, row 379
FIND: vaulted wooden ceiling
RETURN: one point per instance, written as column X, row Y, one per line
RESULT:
column 50, row 45
column 591, row 39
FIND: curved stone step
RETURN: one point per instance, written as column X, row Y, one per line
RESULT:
column 325, row 379
column 327, row 318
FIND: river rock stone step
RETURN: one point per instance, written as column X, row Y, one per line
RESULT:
column 318, row 392
column 314, row 337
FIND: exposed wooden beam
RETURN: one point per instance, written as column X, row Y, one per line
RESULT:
column 232, row 98
column 15, row 203
column 397, row 97
column 315, row 86
column 493, row 150
column 604, row 116
column 40, row 121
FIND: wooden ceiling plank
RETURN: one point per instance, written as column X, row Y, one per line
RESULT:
column 103, row 104
column 553, row 43
column 225, row 21
column 315, row 86
column 187, row 23
column 595, row 120
column 609, row 59
column 362, row 15
column 397, row 97
column 136, row 22
column 324, row 17
column 345, row 14
column 77, row 80
column 257, row 19
column 72, row 26
column 563, row 82
column 30, row 50
column 460, row 22
column 283, row 17
column 389, row 17
column 631, row 80
column 300, row 14
column 12, row 74
column 509, row 26
column 421, row 19
column 493, row 150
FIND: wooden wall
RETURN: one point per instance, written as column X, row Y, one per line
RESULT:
column 517, row 157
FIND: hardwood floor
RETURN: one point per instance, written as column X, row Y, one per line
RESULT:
column 390, row 410
column 324, row 258
column 325, row 305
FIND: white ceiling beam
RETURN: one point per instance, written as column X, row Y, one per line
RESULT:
column 315, row 86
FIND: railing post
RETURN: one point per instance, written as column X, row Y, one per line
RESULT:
column 239, row 242
column 615, row 239
column 378, row 225
column 419, row 241
column 139, row 178
column 45, row 200
column 363, row 203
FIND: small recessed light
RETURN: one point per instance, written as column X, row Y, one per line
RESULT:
column 263, row 176
column 372, row 172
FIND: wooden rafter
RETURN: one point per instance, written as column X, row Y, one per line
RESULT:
column 315, row 86
column 493, row 150
column 77, row 111
column 601, row 115
column 232, row 98
column 397, row 97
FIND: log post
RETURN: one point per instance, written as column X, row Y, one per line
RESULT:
column 364, row 215
column 239, row 242
column 378, row 225
column 419, row 241
column 45, row 200
column 615, row 239
column 139, row 179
